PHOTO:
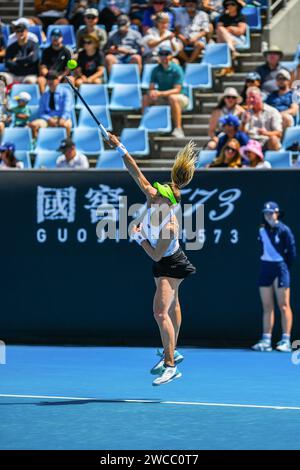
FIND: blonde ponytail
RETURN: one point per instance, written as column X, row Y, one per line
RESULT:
column 184, row 166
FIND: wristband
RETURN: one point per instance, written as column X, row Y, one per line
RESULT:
column 121, row 150
column 138, row 237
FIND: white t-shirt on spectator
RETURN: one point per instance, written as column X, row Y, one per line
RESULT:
column 153, row 34
column 13, row 38
column 79, row 161
column 3, row 166
column 264, row 164
column 191, row 27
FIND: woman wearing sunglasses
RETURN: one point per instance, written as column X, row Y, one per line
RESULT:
column 90, row 62
column 230, row 156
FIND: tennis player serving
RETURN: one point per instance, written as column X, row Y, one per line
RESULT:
column 158, row 235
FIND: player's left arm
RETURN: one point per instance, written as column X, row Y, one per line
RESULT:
column 167, row 235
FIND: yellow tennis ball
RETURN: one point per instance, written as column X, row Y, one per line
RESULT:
column 72, row 64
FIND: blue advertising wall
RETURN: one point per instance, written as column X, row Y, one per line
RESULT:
column 60, row 284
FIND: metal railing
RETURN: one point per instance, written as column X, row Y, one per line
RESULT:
column 21, row 8
column 274, row 7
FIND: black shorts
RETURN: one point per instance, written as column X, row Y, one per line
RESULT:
column 177, row 266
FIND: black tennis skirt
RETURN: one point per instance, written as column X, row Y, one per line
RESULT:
column 176, row 265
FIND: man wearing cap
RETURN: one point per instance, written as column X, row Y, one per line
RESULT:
column 22, row 111
column 262, row 122
column 70, row 157
column 230, row 127
column 13, row 37
column 55, row 107
column 124, row 46
column 166, row 87
column 91, row 17
column 22, row 57
column 282, row 99
column 54, row 58
column 270, row 68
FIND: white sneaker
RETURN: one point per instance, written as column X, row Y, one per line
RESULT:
column 168, row 375
column 178, row 133
column 284, row 346
column 157, row 369
column 262, row 346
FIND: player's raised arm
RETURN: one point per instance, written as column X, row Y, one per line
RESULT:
column 132, row 167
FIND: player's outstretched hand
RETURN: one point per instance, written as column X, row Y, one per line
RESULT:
column 113, row 140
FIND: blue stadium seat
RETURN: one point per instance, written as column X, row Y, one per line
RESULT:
column 20, row 136
column 292, row 65
column 37, row 30
column 126, row 98
column 110, row 159
column 88, row 141
column 46, row 159
column 115, row 27
column 146, row 76
column 49, row 138
column 67, row 32
column 191, row 99
column 23, row 156
column 279, row 159
column 32, row 89
column 157, row 119
column 101, row 112
column 218, row 55
column 124, row 74
column 34, row 112
column 136, row 141
column 291, row 136
column 5, row 32
column 198, row 76
column 2, row 68
column 253, row 17
column 247, row 44
column 205, row 157
column 94, row 95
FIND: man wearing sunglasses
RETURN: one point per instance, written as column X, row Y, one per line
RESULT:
column 282, row 99
column 91, row 18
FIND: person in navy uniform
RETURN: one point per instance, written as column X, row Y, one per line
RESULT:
column 278, row 253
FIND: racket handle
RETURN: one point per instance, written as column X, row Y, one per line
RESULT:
column 103, row 132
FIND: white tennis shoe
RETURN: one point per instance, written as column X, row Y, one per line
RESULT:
column 157, row 369
column 284, row 346
column 168, row 375
column 262, row 346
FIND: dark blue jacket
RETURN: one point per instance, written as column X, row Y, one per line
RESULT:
column 283, row 241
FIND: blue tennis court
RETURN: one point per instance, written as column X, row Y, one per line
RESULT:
column 102, row 398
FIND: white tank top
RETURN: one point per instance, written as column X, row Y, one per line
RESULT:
column 152, row 233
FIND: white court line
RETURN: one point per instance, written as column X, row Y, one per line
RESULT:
column 154, row 401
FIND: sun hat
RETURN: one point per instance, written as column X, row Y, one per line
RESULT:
column 253, row 146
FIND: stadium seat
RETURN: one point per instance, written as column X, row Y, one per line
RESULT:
column 37, row 30
column 5, row 28
column 101, row 112
column 34, row 112
column 157, row 119
column 46, row 159
column 291, row 137
column 217, row 55
column 292, row 65
column 32, row 89
column 191, row 99
column 279, row 159
column 23, row 156
column 49, row 138
column 198, row 76
column 110, row 159
column 124, row 74
column 126, row 98
column 136, row 141
column 2, row 68
column 146, row 76
column 67, row 32
column 253, row 17
column 205, row 157
column 247, row 44
column 20, row 136
column 88, row 141
column 94, row 95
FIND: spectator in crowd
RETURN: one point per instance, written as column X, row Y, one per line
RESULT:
column 77, row 12
column 282, row 99
column 4, row 117
column 91, row 17
column 2, row 45
column 13, row 37
column 124, row 46
column 22, row 58
column 7, row 157
column 231, row 28
column 168, row 77
column 160, row 36
column 54, row 58
column 230, row 130
column 51, row 11
column 229, row 157
column 156, row 6
column 270, row 68
column 55, row 107
column 229, row 103
column 110, row 10
column 278, row 252
column 214, row 8
column 90, row 62
column 21, row 112
column 262, row 122
column 254, row 154
column 192, row 28
column 252, row 79
column 70, row 157
column 137, row 11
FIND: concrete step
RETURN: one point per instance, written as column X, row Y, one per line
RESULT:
column 161, row 164
column 134, row 120
column 250, row 66
column 196, row 129
column 171, row 152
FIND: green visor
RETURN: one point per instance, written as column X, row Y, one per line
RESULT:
column 165, row 191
